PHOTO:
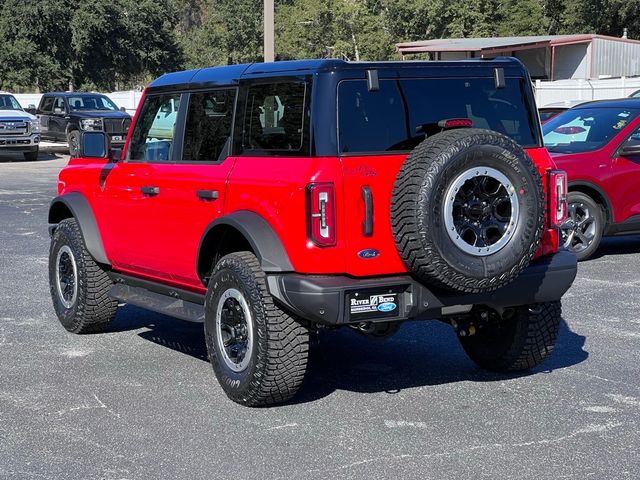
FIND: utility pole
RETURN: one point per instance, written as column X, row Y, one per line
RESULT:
column 269, row 47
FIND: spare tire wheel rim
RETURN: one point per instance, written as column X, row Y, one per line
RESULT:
column 234, row 329
column 66, row 277
column 481, row 211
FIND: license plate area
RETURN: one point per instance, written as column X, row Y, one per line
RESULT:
column 375, row 303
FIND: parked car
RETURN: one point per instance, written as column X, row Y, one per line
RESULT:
column 296, row 196
column 65, row 115
column 19, row 130
column 598, row 144
column 551, row 110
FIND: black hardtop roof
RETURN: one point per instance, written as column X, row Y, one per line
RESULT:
column 231, row 74
column 613, row 103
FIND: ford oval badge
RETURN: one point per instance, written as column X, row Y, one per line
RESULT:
column 387, row 307
column 368, row 253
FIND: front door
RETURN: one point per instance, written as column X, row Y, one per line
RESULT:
column 624, row 180
column 170, row 187
column 58, row 120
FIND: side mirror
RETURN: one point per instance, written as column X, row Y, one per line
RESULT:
column 122, row 109
column 94, row 145
column 629, row 151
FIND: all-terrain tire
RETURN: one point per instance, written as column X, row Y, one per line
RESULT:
column 280, row 346
column 418, row 214
column 73, row 139
column 517, row 343
column 31, row 156
column 91, row 310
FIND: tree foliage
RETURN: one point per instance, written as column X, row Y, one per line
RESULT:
column 53, row 44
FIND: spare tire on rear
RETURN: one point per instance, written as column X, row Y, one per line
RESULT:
column 467, row 210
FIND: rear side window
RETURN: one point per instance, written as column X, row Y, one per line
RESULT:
column 152, row 137
column 403, row 112
column 276, row 116
column 207, row 135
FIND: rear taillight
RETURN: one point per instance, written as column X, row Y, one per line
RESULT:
column 321, row 214
column 557, row 197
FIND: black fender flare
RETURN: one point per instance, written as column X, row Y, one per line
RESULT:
column 263, row 239
column 583, row 183
column 80, row 209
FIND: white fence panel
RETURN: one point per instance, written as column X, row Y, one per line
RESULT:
column 127, row 99
column 568, row 90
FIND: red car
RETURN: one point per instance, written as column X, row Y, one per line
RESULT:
column 598, row 145
column 289, row 197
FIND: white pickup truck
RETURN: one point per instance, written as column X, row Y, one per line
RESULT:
column 19, row 130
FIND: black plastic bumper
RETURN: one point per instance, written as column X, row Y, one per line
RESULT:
column 331, row 299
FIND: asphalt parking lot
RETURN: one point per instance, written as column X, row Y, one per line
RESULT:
column 141, row 401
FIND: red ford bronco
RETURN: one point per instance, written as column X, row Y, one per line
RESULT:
column 271, row 200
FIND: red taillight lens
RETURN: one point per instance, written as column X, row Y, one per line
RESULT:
column 557, row 197
column 321, row 214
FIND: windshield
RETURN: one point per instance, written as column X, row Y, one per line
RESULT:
column 402, row 113
column 8, row 102
column 91, row 102
column 585, row 129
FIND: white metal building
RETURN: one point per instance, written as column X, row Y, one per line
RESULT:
column 548, row 57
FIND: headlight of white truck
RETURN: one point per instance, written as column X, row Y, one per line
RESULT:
column 35, row 125
column 91, row 124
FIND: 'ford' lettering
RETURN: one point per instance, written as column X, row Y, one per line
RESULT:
column 387, row 307
column 368, row 253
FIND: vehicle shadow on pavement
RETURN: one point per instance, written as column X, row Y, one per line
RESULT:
column 623, row 245
column 422, row 353
column 18, row 158
column 178, row 335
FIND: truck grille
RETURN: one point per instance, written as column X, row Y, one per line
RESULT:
column 14, row 127
column 117, row 126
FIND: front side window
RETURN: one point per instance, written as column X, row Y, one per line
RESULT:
column 152, row 137
column 585, row 129
column 207, row 133
column 403, row 112
column 47, row 104
column 276, row 117
column 91, row 102
column 8, row 102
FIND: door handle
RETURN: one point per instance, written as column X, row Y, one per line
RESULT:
column 367, row 224
column 150, row 191
column 207, row 194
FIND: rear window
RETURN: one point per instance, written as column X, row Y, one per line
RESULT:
column 403, row 112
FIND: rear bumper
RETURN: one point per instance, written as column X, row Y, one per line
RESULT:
column 331, row 299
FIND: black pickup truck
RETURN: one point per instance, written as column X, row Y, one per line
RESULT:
column 64, row 115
